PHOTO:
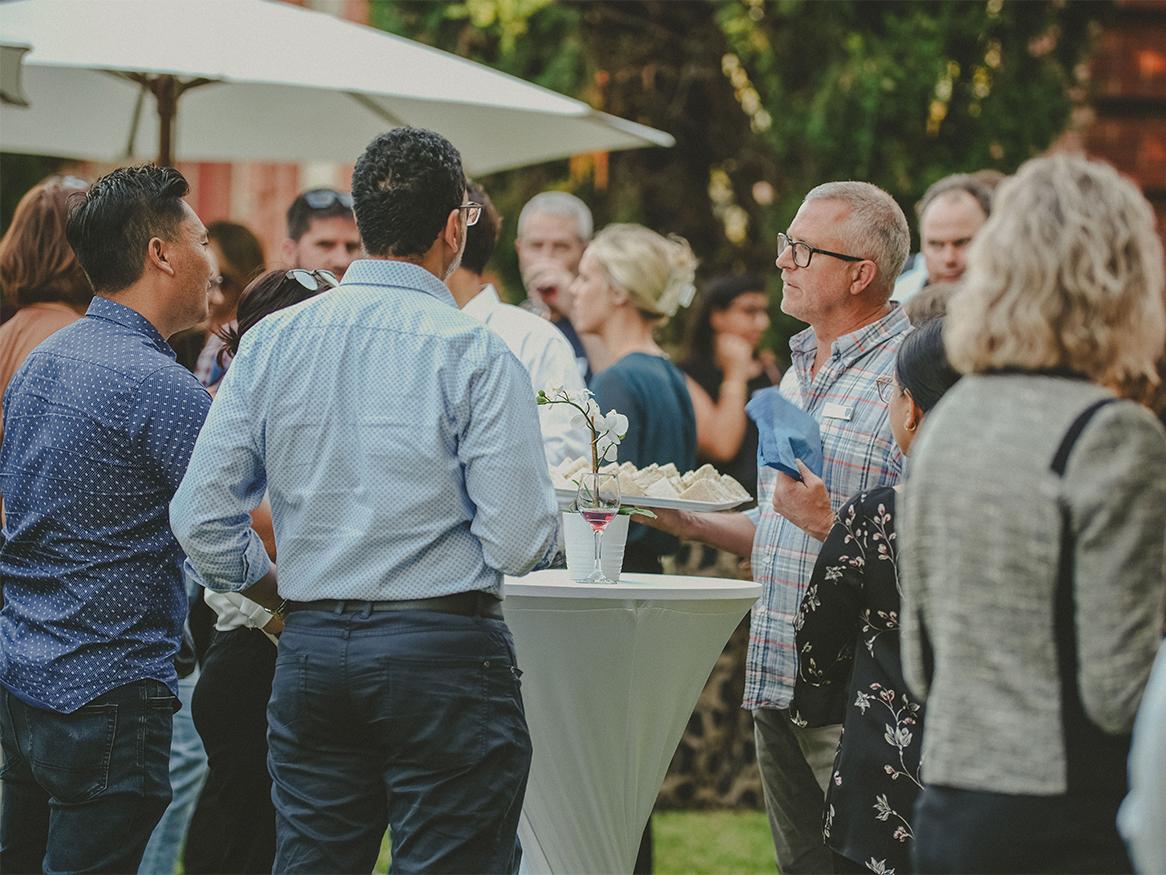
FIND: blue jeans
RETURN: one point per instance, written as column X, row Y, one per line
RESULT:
column 410, row 719
column 83, row 791
column 187, row 773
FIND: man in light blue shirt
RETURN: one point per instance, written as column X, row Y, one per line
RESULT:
column 398, row 441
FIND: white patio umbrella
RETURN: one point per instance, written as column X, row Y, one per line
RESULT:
column 10, row 88
column 239, row 80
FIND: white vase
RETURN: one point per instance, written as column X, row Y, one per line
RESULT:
column 580, row 543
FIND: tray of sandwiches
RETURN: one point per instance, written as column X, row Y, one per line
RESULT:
column 658, row 486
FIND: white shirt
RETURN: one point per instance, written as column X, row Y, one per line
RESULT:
column 234, row 611
column 549, row 360
column 1144, row 811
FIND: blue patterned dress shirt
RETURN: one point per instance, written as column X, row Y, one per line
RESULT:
column 396, row 437
column 99, row 424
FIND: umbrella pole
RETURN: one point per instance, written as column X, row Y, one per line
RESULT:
column 166, row 92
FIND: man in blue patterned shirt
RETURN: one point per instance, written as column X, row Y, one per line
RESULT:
column 398, row 441
column 838, row 264
column 99, row 424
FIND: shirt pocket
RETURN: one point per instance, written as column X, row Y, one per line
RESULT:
column 857, row 457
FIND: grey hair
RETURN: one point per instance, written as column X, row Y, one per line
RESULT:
column 875, row 228
column 1066, row 273
column 559, row 203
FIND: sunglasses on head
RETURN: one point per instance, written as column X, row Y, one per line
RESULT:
column 313, row 280
column 323, row 198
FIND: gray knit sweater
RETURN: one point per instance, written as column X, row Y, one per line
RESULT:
column 979, row 538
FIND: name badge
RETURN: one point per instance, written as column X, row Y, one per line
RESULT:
column 837, row 411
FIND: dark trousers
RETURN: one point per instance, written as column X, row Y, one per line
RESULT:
column 83, row 791
column 233, row 828
column 412, row 719
column 970, row 831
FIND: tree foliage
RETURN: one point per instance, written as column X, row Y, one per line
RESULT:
column 767, row 99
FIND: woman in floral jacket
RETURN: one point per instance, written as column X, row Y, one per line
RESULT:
column 848, row 646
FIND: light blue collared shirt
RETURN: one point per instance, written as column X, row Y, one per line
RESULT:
column 398, row 441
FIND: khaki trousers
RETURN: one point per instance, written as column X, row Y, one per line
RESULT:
column 795, row 765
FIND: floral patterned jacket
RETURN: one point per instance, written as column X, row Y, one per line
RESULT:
column 849, row 671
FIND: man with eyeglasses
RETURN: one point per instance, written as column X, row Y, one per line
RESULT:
column 321, row 232
column 398, row 441
column 838, row 263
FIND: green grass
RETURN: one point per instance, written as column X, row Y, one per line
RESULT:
column 720, row 842
column 699, row 842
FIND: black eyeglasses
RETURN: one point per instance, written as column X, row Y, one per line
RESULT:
column 313, row 280
column 803, row 252
column 473, row 212
column 323, row 198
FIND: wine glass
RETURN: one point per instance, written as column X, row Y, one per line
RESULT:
column 598, row 503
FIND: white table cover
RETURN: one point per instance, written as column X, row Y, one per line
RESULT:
column 610, row 678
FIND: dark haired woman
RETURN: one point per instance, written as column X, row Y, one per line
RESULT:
column 848, row 645
column 724, row 370
column 234, row 826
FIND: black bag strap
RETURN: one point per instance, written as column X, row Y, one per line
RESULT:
column 1094, row 759
column 1061, row 459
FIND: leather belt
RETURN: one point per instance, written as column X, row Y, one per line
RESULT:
column 468, row 604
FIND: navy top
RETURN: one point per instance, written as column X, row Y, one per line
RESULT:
column 99, row 424
column 573, row 338
column 651, row 392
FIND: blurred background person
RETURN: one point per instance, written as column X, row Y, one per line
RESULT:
column 1033, row 534
column 538, row 345
column 233, row 829
column 950, row 213
column 631, row 282
column 39, row 274
column 554, row 227
column 321, row 232
column 849, row 669
column 240, row 258
column 724, row 368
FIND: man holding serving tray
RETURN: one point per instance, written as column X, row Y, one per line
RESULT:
column 838, row 264
column 399, row 442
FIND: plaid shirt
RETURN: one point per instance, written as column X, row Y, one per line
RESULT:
column 859, row 453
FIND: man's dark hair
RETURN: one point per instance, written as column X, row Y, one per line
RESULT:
column 482, row 237
column 403, row 189
column 965, row 182
column 316, row 203
column 110, row 228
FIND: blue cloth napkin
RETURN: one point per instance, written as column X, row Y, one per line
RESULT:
column 787, row 433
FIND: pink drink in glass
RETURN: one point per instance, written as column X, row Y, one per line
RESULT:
column 598, row 519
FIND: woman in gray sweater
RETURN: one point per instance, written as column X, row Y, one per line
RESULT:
column 1033, row 531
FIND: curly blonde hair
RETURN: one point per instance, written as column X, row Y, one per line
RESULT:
column 657, row 272
column 1066, row 273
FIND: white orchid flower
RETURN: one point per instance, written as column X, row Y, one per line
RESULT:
column 616, row 425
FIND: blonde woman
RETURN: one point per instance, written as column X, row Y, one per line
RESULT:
column 1033, row 537
column 631, row 281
